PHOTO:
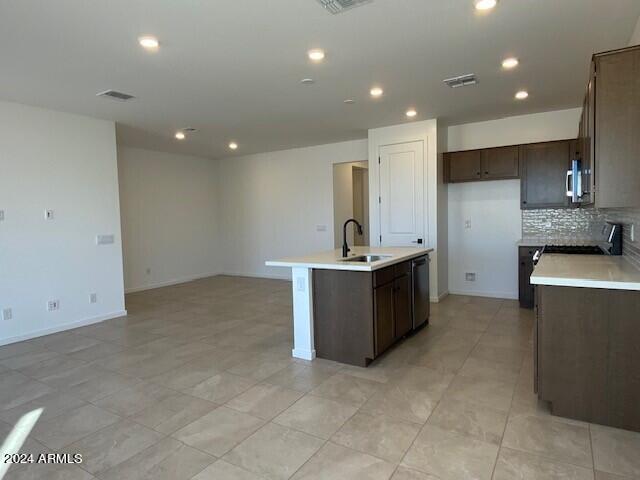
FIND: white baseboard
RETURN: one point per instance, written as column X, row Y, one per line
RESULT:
column 471, row 293
column 63, row 327
column 258, row 275
column 439, row 298
column 303, row 354
column 168, row 283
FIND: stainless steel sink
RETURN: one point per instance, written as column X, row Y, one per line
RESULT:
column 365, row 258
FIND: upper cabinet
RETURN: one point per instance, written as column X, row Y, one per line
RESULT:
column 610, row 140
column 463, row 166
column 543, row 173
column 486, row 164
column 500, row 163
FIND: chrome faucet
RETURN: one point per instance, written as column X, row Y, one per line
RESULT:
column 345, row 247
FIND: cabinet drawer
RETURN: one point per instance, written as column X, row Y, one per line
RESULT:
column 384, row 275
column 402, row 268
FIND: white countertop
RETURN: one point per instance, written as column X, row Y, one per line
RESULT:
column 331, row 260
column 589, row 271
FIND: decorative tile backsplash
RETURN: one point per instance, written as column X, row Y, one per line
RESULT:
column 583, row 223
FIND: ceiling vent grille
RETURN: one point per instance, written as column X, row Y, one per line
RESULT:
column 339, row 6
column 461, row 81
column 113, row 94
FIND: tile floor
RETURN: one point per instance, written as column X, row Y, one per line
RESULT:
column 198, row 383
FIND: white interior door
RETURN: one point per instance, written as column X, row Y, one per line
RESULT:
column 402, row 194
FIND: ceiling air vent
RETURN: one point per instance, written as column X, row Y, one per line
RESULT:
column 461, row 81
column 339, row 6
column 121, row 97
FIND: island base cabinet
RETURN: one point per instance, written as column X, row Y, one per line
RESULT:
column 587, row 354
column 359, row 315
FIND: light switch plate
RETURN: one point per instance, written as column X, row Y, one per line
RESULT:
column 1, row 215
column 300, row 284
column 53, row 305
column 470, row 277
column 7, row 314
column 48, row 214
column 93, row 297
column 105, row 239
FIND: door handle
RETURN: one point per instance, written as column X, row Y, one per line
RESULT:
column 419, row 241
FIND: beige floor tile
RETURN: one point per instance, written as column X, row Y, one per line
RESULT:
column 26, row 360
column 131, row 400
column 51, row 366
column 17, row 389
column 299, row 377
column 168, row 459
column 616, row 451
column 20, row 348
column 220, row 388
column 317, row 416
column 264, row 400
column 38, row 471
column 259, row 368
column 610, row 476
column 173, row 413
column 404, row 473
column 468, row 419
column 482, row 367
column 451, row 456
column 67, row 428
column 337, row 462
column 222, row 470
column 555, row 440
column 346, row 388
column 511, row 356
column 218, row 431
column 381, row 436
column 53, row 404
column 485, row 391
column 402, row 402
column 112, row 445
column 274, row 452
column 514, row 464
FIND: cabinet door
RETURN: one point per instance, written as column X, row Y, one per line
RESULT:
column 464, row 166
column 500, row 163
column 617, row 123
column 544, row 169
column 525, row 269
column 586, row 144
column 402, row 305
column 384, row 329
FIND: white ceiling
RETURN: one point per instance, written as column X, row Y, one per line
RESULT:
column 232, row 68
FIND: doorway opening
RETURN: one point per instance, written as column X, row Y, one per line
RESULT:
column 351, row 200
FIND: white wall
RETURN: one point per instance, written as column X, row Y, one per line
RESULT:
column 488, row 248
column 272, row 204
column 170, row 222
column 65, row 163
column 427, row 132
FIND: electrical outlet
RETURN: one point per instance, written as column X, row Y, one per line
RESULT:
column 7, row 314
column 105, row 239
column 470, row 277
column 300, row 284
column 93, row 298
column 321, row 228
column 467, row 224
column 1, row 215
column 48, row 214
column 53, row 305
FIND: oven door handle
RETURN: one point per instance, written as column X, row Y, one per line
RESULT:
column 536, row 256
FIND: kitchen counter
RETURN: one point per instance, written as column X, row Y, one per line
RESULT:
column 542, row 241
column 588, row 271
column 332, row 259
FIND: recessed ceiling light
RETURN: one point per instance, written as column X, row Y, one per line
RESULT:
column 522, row 94
column 149, row 43
column 316, row 55
column 376, row 92
column 307, row 81
column 233, row 145
column 510, row 63
column 411, row 113
column 180, row 135
column 485, row 4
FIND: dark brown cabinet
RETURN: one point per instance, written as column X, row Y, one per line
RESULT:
column 526, row 291
column 359, row 315
column 586, row 356
column 543, row 174
column 500, row 163
column 463, row 166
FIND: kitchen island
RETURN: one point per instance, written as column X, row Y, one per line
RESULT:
column 352, row 309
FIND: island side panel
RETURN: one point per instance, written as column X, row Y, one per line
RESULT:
column 303, row 341
column 343, row 314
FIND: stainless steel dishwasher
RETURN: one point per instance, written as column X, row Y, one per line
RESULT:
column 420, row 291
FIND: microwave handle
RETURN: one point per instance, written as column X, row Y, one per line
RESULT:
column 569, row 183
